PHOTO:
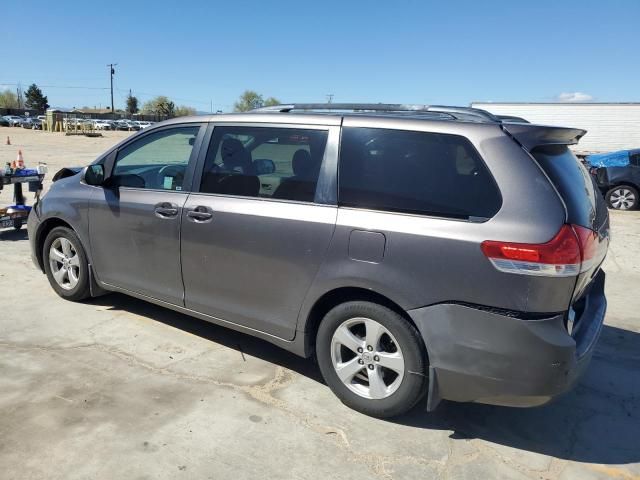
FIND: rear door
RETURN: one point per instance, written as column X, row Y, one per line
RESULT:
column 254, row 236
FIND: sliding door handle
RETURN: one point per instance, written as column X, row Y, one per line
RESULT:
column 200, row 214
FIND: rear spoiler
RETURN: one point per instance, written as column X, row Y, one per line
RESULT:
column 532, row 136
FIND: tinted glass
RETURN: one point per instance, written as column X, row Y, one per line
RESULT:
column 415, row 172
column 574, row 184
column 635, row 160
column 158, row 160
column 281, row 163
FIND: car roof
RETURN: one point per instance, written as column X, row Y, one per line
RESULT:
column 437, row 118
column 333, row 113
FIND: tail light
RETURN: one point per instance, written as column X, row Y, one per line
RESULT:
column 572, row 251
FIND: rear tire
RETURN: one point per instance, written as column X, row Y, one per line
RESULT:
column 372, row 358
column 65, row 263
column 622, row 197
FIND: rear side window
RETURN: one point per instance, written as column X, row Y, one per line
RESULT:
column 573, row 182
column 415, row 172
column 280, row 163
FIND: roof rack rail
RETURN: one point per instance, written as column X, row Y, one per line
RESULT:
column 465, row 112
column 457, row 113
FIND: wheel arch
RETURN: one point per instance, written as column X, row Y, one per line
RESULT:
column 625, row 183
column 335, row 297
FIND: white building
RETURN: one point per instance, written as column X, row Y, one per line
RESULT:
column 610, row 126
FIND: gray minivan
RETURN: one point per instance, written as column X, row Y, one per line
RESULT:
column 414, row 250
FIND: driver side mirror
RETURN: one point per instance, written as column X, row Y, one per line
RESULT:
column 94, row 175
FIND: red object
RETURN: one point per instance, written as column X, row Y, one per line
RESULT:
column 573, row 246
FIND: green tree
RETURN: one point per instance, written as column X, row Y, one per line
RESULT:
column 132, row 104
column 271, row 101
column 251, row 100
column 184, row 111
column 8, row 99
column 35, row 99
column 160, row 105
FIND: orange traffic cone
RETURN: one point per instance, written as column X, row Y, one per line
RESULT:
column 8, row 140
column 20, row 160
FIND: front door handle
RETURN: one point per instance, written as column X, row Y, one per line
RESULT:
column 200, row 214
column 166, row 210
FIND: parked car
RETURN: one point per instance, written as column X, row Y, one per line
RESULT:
column 617, row 175
column 4, row 122
column 103, row 124
column 142, row 124
column 412, row 255
column 32, row 123
column 14, row 120
column 126, row 125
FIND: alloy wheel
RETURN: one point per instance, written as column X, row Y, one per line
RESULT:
column 65, row 263
column 367, row 358
column 622, row 199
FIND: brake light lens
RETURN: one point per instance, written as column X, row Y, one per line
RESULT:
column 572, row 251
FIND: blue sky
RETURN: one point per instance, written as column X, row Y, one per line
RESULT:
column 444, row 52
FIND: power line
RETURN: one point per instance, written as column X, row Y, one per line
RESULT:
column 58, row 86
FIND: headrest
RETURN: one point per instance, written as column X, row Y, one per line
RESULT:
column 304, row 165
column 234, row 154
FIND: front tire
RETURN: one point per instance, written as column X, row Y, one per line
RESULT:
column 622, row 197
column 65, row 263
column 372, row 358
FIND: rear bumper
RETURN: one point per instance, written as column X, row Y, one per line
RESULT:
column 478, row 355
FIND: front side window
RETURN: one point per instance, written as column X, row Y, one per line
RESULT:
column 158, row 160
column 268, row 162
column 414, row 172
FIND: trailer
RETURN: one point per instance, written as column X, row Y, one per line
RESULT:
column 610, row 126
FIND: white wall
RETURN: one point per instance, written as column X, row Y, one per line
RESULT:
column 609, row 126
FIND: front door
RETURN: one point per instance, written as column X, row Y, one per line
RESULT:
column 134, row 224
column 256, row 232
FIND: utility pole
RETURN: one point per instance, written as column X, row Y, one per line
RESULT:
column 112, row 71
column 329, row 97
column 19, row 95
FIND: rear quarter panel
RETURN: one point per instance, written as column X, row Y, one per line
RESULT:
column 429, row 260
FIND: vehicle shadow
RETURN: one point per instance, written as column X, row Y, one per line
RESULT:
column 243, row 343
column 11, row 235
column 596, row 423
